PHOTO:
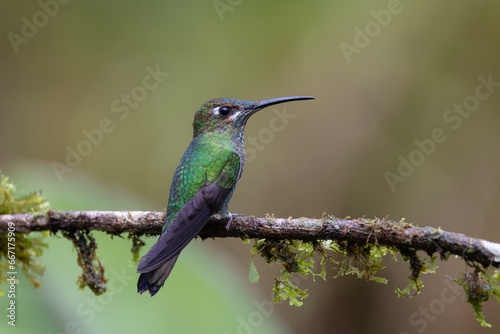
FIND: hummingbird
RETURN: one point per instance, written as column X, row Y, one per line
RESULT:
column 203, row 182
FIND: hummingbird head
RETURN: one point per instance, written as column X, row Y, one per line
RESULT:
column 224, row 114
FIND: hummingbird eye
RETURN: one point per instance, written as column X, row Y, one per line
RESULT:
column 224, row 111
column 221, row 110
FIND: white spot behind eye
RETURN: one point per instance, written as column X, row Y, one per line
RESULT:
column 215, row 111
column 235, row 115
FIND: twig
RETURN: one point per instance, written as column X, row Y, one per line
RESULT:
column 381, row 231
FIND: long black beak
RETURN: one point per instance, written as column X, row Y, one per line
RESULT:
column 266, row 103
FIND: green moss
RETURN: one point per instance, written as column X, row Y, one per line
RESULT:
column 479, row 286
column 93, row 271
column 20, row 250
column 11, row 203
column 418, row 266
column 300, row 257
column 284, row 289
column 295, row 256
column 362, row 261
column 137, row 244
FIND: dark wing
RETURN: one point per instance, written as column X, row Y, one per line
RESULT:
column 186, row 225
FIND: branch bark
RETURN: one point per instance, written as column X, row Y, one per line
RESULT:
column 362, row 230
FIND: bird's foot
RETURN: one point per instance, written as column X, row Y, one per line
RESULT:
column 230, row 216
column 229, row 221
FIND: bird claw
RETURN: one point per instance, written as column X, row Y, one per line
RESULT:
column 230, row 219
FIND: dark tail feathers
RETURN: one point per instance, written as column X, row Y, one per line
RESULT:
column 154, row 279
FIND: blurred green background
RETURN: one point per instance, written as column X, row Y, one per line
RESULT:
column 68, row 67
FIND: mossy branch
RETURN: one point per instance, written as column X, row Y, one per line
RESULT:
column 355, row 246
column 385, row 232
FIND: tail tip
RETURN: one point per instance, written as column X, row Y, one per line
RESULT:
column 143, row 285
column 153, row 290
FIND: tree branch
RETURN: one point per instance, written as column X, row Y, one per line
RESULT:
column 385, row 232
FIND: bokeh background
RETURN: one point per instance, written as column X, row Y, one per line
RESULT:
column 376, row 93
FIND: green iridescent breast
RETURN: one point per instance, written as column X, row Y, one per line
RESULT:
column 209, row 157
